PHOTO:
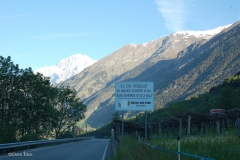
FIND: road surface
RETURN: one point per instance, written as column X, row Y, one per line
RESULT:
column 93, row 149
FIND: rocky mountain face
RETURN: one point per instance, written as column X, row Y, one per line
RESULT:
column 66, row 68
column 180, row 65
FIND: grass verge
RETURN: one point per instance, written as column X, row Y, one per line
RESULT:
column 216, row 146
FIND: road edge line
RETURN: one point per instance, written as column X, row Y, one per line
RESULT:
column 103, row 158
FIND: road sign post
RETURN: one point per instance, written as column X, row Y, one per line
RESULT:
column 138, row 96
column 146, row 125
column 122, row 124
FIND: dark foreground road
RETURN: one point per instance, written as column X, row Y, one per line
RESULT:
column 93, row 149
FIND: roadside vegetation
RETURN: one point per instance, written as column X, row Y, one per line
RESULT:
column 217, row 146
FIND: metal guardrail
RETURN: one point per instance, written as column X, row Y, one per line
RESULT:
column 178, row 153
column 28, row 144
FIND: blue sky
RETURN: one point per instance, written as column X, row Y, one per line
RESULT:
column 41, row 32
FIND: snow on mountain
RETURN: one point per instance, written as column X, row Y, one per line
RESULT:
column 66, row 68
column 202, row 34
column 180, row 35
column 169, row 46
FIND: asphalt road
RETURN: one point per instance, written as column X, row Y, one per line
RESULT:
column 93, row 149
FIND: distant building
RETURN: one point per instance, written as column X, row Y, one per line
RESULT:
column 217, row 111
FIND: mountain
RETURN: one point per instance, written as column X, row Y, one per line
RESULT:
column 66, row 68
column 163, row 61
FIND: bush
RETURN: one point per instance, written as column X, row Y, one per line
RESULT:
column 30, row 137
column 7, row 135
column 65, row 134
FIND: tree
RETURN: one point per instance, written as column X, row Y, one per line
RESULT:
column 70, row 110
column 38, row 113
column 25, row 102
column 8, row 74
column 30, row 107
column 115, row 116
column 226, row 97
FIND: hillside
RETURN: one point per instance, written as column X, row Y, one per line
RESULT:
column 224, row 96
column 195, row 70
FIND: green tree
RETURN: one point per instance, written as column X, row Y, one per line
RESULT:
column 8, row 73
column 226, row 97
column 26, row 103
column 115, row 116
column 31, row 108
column 38, row 112
column 70, row 110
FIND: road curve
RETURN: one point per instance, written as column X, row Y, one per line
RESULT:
column 93, row 149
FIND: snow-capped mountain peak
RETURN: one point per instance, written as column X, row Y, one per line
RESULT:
column 202, row 34
column 66, row 68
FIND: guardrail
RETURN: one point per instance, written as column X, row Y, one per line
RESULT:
column 28, row 144
column 178, row 153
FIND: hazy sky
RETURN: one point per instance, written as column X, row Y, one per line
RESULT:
column 38, row 33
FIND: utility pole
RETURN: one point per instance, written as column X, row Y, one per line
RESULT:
column 122, row 124
column 145, row 125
